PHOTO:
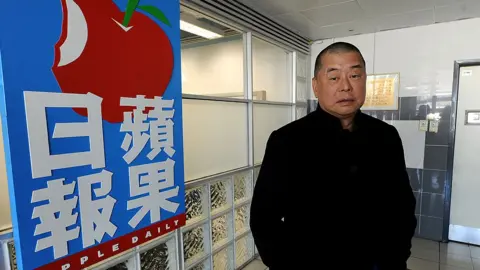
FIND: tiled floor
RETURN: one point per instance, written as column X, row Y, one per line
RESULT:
column 256, row 265
column 429, row 255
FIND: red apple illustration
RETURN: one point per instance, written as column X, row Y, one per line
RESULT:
column 112, row 54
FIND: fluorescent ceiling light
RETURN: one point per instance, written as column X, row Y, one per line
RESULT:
column 199, row 31
column 191, row 24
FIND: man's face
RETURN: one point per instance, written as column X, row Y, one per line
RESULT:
column 340, row 83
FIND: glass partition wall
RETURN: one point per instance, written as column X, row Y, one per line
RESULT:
column 237, row 88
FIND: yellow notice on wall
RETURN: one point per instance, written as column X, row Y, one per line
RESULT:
column 382, row 92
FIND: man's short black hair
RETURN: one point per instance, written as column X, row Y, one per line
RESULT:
column 337, row 47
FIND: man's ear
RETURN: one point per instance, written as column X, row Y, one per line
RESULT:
column 314, row 86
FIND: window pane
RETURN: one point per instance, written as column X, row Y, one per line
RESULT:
column 211, row 65
column 215, row 137
column 214, row 68
column 271, row 72
column 267, row 118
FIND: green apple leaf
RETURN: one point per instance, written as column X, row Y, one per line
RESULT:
column 131, row 6
column 157, row 13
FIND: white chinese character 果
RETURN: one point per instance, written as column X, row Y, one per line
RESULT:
column 153, row 185
column 159, row 130
column 55, row 217
column 42, row 162
column 96, row 223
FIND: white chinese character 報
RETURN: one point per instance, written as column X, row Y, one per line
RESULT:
column 55, row 217
column 159, row 130
column 41, row 160
column 155, row 181
column 96, row 223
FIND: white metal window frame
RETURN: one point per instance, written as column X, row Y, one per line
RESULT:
column 174, row 241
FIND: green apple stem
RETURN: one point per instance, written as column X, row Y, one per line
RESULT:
column 131, row 6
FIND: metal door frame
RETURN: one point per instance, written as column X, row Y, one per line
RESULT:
column 451, row 143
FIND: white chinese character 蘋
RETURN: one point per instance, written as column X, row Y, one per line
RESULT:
column 55, row 217
column 155, row 181
column 41, row 160
column 160, row 128
column 96, row 223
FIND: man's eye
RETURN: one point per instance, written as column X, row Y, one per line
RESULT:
column 355, row 76
column 333, row 78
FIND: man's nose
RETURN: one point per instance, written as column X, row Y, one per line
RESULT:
column 346, row 86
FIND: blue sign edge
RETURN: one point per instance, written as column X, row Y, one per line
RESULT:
column 8, row 163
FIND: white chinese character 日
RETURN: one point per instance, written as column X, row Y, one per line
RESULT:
column 154, row 182
column 95, row 214
column 55, row 217
column 41, row 160
column 159, row 130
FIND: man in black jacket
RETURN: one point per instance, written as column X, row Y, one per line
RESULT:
column 333, row 191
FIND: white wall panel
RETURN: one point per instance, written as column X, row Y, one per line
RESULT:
column 424, row 56
column 413, row 141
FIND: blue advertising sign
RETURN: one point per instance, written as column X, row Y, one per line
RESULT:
column 92, row 122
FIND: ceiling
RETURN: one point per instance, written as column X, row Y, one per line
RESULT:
column 321, row 19
column 187, row 38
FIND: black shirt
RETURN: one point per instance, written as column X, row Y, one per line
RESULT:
column 329, row 198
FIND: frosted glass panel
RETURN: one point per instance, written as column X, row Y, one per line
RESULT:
column 256, row 171
column 196, row 203
column 215, row 137
column 223, row 260
column 267, row 118
column 12, row 254
column 222, row 228
column 302, row 77
column 161, row 257
column 214, row 68
column 271, row 71
column 242, row 219
column 301, row 112
column 243, row 250
column 221, row 194
column 302, row 65
column 302, row 89
column 242, row 186
column 126, row 265
column 196, row 243
column 202, row 266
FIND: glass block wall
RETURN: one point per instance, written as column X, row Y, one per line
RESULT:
column 217, row 231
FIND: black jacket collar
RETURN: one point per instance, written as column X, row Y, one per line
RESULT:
column 333, row 122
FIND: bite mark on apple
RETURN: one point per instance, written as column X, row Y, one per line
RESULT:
column 122, row 26
column 77, row 34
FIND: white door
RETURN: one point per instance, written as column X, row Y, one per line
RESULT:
column 465, row 204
